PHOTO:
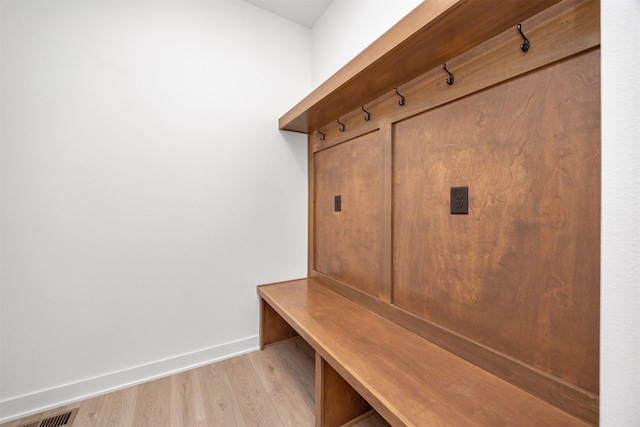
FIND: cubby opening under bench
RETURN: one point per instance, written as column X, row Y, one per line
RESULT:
column 486, row 314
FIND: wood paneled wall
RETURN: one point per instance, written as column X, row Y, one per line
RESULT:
column 349, row 242
column 514, row 285
column 519, row 273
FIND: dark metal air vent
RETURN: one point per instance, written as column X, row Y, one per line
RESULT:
column 65, row 419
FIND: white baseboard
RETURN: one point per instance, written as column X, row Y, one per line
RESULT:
column 67, row 394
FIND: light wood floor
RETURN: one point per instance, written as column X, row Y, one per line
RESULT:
column 274, row 387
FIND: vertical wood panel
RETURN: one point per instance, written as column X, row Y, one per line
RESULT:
column 310, row 207
column 386, row 275
column 336, row 401
column 273, row 328
column 520, row 273
column 348, row 244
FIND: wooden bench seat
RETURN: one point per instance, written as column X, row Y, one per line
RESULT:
column 404, row 377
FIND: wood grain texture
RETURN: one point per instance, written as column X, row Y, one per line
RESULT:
column 558, row 392
column 89, row 411
column 337, row 403
column 311, row 184
column 348, row 244
column 433, row 33
column 564, row 30
column 385, row 292
column 117, row 409
column 272, row 328
column 254, row 403
column 221, row 406
column 272, row 374
column 153, row 406
column 282, row 389
column 211, row 382
column 187, row 404
column 297, row 360
column 520, row 273
column 371, row 420
column 407, row 379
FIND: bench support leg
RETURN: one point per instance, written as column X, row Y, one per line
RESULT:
column 273, row 328
column 337, row 402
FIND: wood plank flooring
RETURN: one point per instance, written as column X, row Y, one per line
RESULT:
column 274, row 387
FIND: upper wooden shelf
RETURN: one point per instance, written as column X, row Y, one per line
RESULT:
column 431, row 34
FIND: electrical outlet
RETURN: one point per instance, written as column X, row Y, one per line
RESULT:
column 459, row 200
column 337, row 203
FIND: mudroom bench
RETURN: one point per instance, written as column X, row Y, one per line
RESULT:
column 365, row 361
column 454, row 221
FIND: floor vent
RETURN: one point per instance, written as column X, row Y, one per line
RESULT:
column 60, row 420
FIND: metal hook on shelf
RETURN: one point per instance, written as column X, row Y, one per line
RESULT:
column 341, row 125
column 368, row 116
column 525, row 44
column 450, row 80
column 401, row 102
column 322, row 135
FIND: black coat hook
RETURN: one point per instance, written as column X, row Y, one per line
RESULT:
column 450, row 79
column 368, row 116
column 341, row 125
column 401, row 102
column 322, row 135
column 525, row 44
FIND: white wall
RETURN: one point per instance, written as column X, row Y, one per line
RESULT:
column 347, row 27
column 145, row 188
column 350, row 25
column 620, row 245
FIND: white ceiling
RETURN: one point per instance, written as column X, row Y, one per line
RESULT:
column 303, row 12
